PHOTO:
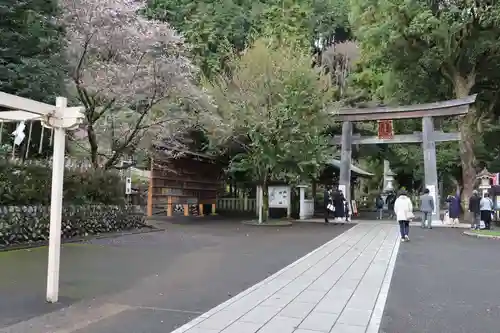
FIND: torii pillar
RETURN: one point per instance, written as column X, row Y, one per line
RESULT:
column 345, row 160
column 430, row 165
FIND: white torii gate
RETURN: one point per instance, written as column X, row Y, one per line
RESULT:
column 59, row 118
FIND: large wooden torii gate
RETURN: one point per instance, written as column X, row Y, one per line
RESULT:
column 428, row 137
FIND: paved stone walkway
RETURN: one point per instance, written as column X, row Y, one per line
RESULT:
column 340, row 287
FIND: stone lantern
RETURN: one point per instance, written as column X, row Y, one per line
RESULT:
column 388, row 178
column 485, row 178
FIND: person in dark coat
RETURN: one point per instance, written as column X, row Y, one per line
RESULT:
column 327, row 200
column 379, row 205
column 390, row 200
column 475, row 210
column 454, row 211
column 339, row 203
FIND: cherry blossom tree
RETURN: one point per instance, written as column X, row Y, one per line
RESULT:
column 129, row 73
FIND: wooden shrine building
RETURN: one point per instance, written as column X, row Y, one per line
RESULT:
column 185, row 186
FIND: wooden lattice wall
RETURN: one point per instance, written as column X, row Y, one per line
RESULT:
column 187, row 186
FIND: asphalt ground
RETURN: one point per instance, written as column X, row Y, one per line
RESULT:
column 164, row 279
column 444, row 282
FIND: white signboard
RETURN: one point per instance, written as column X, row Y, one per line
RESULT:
column 279, row 196
column 432, row 193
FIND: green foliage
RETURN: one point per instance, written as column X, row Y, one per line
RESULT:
column 288, row 21
column 213, row 29
column 30, row 224
column 31, row 45
column 30, row 185
column 217, row 29
column 275, row 107
column 425, row 51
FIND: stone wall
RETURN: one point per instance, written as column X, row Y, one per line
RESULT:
column 30, row 223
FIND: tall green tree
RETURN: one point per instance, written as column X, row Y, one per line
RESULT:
column 217, row 29
column 274, row 107
column 31, row 49
column 31, row 59
column 435, row 50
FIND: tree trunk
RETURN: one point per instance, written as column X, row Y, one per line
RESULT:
column 462, row 87
column 265, row 201
column 91, row 136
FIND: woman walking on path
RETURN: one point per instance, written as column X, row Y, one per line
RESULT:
column 338, row 202
column 486, row 206
column 328, row 204
column 454, row 211
column 379, row 205
column 390, row 200
column 403, row 208
column 475, row 210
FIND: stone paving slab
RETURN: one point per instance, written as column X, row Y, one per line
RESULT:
column 340, row 287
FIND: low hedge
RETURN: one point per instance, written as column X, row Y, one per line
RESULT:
column 30, row 223
column 31, row 184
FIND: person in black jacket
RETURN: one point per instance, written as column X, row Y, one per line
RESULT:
column 390, row 200
column 339, row 204
column 474, row 209
column 327, row 198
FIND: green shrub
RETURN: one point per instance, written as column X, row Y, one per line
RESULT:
column 31, row 184
column 30, row 224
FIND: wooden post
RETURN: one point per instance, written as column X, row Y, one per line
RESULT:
column 186, row 209
column 200, row 208
column 150, row 191
column 169, row 206
column 41, row 140
column 26, row 153
column 345, row 160
column 245, row 203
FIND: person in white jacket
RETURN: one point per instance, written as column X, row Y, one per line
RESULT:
column 403, row 208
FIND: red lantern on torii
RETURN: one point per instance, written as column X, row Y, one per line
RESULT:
column 385, row 129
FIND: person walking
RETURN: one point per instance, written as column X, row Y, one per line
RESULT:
column 347, row 211
column 338, row 203
column 486, row 207
column 427, row 207
column 390, row 200
column 475, row 210
column 454, row 211
column 327, row 202
column 403, row 209
column 379, row 205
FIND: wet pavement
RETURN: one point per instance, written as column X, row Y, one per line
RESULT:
column 154, row 282
column 444, row 282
